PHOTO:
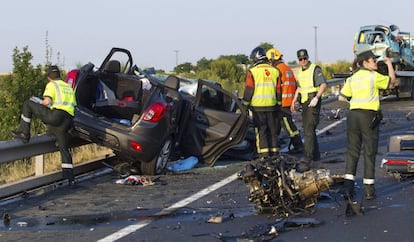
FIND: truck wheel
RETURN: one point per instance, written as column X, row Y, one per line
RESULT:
column 157, row 165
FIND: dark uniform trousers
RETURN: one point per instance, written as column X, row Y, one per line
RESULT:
column 310, row 120
column 266, row 133
column 359, row 131
column 59, row 122
column 285, row 119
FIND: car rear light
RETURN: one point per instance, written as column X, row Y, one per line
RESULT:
column 136, row 146
column 398, row 162
column 71, row 78
column 155, row 112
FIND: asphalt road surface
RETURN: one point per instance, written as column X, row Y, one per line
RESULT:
column 181, row 206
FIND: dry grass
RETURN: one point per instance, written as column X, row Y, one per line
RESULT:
column 14, row 171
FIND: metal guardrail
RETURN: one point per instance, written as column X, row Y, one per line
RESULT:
column 11, row 150
column 14, row 149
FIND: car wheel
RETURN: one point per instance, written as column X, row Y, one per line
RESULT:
column 157, row 165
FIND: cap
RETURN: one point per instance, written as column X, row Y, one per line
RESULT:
column 302, row 53
column 53, row 70
column 365, row 56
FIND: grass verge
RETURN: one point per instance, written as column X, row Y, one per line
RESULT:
column 16, row 170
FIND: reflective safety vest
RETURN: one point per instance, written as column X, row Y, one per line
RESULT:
column 265, row 81
column 286, row 88
column 306, row 83
column 62, row 96
column 362, row 89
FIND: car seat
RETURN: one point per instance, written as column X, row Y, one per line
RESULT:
column 128, row 89
column 118, row 95
column 173, row 84
column 173, row 96
column 112, row 66
column 123, row 103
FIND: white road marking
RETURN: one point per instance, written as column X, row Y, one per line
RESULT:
column 133, row 228
column 318, row 132
column 330, row 126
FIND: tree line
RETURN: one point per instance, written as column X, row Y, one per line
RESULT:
column 230, row 70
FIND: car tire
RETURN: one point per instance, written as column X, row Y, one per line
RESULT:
column 157, row 165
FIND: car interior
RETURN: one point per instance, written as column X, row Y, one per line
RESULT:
column 111, row 93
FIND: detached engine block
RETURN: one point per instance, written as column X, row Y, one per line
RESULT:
column 275, row 185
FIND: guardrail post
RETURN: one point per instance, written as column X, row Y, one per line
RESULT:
column 39, row 165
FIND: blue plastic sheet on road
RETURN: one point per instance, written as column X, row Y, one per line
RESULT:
column 183, row 164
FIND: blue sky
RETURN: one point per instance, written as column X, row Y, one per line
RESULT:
column 84, row 31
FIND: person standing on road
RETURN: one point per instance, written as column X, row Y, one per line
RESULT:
column 260, row 95
column 57, row 111
column 362, row 92
column 285, row 91
column 311, row 86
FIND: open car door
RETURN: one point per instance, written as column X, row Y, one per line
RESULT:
column 120, row 55
column 218, row 121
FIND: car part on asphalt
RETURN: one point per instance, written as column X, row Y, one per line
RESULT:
column 269, row 231
column 135, row 180
column 276, row 186
column 399, row 160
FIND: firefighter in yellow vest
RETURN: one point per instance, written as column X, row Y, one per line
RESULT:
column 285, row 92
column 57, row 111
column 311, row 86
column 362, row 92
column 260, row 95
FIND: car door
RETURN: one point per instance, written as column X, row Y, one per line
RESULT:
column 217, row 122
column 121, row 55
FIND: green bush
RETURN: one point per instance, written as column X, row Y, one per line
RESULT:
column 24, row 81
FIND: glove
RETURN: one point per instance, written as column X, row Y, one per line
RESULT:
column 313, row 102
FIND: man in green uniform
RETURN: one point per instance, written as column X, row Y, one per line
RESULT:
column 57, row 111
column 311, row 86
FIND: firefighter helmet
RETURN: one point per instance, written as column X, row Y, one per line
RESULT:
column 274, row 54
column 258, row 55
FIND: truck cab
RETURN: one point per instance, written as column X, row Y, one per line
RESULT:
column 386, row 41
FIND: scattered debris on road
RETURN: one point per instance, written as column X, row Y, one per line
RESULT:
column 221, row 218
column 268, row 231
column 135, row 180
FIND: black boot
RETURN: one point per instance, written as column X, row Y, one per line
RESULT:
column 348, row 189
column 23, row 133
column 21, row 136
column 68, row 174
column 297, row 143
column 369, row 191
